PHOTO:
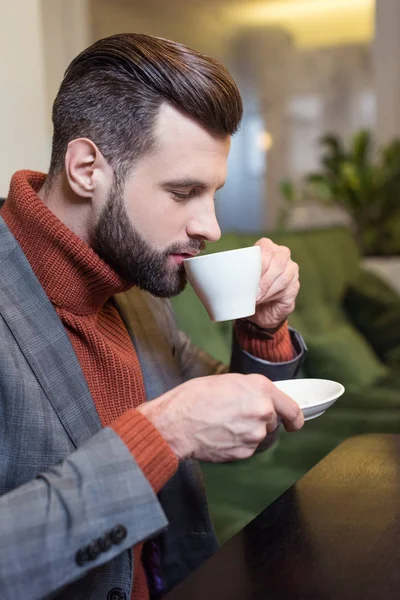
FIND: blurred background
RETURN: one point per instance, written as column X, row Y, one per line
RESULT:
column 316, row 165
column 305, row 68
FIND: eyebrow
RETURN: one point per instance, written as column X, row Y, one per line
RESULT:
column 188, row 183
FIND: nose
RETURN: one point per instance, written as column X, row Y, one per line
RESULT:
column 204, row 224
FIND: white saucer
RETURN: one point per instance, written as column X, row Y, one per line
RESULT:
column 313, row 396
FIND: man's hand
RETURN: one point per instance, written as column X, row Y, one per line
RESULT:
column 222, row 417
column 279, row 285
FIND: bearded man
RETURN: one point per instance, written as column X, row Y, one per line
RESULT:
column 105, row 406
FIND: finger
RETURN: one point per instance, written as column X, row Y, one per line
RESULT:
column 268, row 249
column 272, row 423
column 275, row 270
column 283, row 291
column 275, row 405
column 256, row 435
column 286, row 282
column 288, row 410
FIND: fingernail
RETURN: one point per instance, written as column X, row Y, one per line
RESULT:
column 258, row 293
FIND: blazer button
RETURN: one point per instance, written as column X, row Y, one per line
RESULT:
column 94, row 550
column 106, row 542
column 118, row 534
column 81, row 557
column 116, row 594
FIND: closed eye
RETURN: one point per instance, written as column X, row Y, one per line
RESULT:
column 181, row 195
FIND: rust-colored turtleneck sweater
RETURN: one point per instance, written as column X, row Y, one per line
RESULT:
column 80, row 285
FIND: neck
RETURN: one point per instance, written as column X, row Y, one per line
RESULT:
column 73, row 276
column 72, row 210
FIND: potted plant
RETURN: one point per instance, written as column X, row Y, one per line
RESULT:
column 365, row 183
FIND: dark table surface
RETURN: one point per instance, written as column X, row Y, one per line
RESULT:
column 334, row 535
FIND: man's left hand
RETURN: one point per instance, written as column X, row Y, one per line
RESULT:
column 279, row 285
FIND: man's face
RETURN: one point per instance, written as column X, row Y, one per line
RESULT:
column 165, row 209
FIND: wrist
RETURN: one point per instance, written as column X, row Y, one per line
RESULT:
column 150, row 450
column 162, row 414
column 271, row 345
column 255, row 329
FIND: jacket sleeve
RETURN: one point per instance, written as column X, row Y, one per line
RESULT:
column 83, row 512
column 243, row 362
column 196, row 363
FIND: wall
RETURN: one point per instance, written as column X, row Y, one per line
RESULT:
column 331, row 91
column 35, row 51
column 24, row 136
column 190, row 23
column 66, row 32
column 386, row 51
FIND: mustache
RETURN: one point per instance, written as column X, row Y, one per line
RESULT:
column 194, row 245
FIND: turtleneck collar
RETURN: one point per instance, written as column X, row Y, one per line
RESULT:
column 73, row 276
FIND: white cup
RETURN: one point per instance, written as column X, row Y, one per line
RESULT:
column 226, row 282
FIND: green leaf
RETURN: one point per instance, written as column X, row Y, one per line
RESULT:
column 364, row 182
column 361, row 147
column 287, row 190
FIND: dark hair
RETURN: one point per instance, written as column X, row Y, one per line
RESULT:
column 112, row 92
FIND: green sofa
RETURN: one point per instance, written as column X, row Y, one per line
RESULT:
column 350, row 320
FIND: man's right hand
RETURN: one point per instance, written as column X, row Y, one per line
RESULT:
column 222, row 417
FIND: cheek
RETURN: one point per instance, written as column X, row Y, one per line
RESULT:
column 159, row 221
column 170, row 225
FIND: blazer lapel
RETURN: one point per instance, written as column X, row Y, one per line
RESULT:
column 42, row 339
column 145, row 320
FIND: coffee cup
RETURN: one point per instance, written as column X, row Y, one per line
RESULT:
column 226, row 282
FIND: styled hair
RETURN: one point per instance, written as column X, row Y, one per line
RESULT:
column 112, row 93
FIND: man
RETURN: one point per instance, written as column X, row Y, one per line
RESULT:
column 142, row 129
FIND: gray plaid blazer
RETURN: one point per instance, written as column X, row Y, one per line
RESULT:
column 65, row 481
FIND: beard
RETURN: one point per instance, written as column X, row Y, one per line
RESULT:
column 122, row 247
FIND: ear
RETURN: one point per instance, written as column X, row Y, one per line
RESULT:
column 85, row 167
